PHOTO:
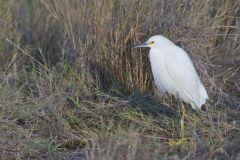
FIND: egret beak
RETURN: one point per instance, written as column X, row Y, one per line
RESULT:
column 139, row 45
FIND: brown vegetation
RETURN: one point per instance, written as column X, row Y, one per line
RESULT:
column 71, row 88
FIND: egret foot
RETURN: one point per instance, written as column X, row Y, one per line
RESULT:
column 177, row 142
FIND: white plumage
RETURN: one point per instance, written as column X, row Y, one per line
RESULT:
column 174, row 72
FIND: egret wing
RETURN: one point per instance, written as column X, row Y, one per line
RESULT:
column 183, row 74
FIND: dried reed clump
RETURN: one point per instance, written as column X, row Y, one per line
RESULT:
column 94, row 38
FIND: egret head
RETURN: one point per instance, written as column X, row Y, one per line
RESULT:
column 154, row 42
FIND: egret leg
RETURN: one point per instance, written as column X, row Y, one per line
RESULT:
column 182, row 111
column 182, row 139
column 182, row 121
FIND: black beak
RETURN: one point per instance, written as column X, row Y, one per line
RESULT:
column 139, row 45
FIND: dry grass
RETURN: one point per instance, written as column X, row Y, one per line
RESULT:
column 70, row 87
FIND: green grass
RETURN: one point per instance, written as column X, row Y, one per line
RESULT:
column 70, row 87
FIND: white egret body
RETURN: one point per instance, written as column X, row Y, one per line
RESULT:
column 174, row 72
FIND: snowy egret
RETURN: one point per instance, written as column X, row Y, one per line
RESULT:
column 174, row 73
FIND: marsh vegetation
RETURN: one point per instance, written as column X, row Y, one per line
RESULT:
column 71, row 88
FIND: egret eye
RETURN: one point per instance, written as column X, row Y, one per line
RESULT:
column 151, row 43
